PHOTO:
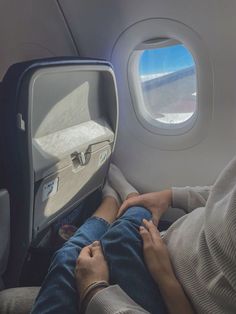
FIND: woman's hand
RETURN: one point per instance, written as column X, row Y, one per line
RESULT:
column 91, row 266
column 156, row 202
column 156, row 254
column 158, row 262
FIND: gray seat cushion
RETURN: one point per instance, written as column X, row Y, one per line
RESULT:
column 18, row 300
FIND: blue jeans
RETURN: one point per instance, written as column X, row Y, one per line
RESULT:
column 122, row 247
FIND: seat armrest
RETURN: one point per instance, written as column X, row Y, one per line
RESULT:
column 18, row 300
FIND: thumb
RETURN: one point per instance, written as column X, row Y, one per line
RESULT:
column 155, row 217
column 136, row 200
column 145, row 236
column 85, row 252
column 96, row 248
column 122, row 208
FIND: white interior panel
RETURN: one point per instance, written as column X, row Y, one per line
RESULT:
column 31, row 30
column 98, row 26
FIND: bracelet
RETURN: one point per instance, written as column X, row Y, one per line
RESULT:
column 93, row 285
column 89, row 289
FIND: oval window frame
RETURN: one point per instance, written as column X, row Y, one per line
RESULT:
column 123, row 48
column 142, row 113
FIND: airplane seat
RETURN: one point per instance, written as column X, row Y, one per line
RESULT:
column 4, row 207
column 18, row 300
column 59, row 128
column 4, row 232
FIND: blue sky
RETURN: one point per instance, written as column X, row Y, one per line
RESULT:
column 167, row 59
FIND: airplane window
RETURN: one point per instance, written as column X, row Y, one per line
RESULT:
column 167, row 77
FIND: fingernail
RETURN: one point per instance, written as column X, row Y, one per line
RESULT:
column 155, row 222
column 95, row 243
column 141, row 228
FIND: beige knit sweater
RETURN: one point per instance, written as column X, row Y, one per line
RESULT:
column 202, row 247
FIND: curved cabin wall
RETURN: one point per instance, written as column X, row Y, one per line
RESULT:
column 99, row 25
column 31, row 29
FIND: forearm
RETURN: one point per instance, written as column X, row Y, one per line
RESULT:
column 189, row 198
column 90, row 295
column 174, row 296
column 113, row 300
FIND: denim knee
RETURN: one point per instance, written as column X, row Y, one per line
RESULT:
column 126, row 228
column 63, row 260
column 136, row 214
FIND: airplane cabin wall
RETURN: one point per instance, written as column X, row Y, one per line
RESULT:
column 33, row 29
column 97, row 27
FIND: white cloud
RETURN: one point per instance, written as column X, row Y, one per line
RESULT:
column 148, row 77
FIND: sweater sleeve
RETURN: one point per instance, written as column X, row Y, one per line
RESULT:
column 190, row 198
column 113, row 300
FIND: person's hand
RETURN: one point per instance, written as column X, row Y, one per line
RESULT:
column 156, row 255
column 159, row 265
column 156, row 202
column 91, row 266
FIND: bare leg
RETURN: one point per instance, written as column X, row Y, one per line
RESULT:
column 108, row 209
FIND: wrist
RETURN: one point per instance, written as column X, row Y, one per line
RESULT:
column 166, row 281
column 90, row 291
column 169, row 287
column 168, row 195
column 175, row 298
